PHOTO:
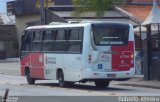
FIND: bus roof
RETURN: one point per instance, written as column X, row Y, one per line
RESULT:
column 82, row 24
column 58, row 26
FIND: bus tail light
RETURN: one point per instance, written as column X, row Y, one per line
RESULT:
column 132, row 56
column 89, row 57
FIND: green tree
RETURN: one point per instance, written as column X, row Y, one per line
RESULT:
column 97, row 6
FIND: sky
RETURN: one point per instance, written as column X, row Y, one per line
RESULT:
column 3, row 6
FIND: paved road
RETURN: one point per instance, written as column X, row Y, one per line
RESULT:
column 12, row 68
column 19, row 87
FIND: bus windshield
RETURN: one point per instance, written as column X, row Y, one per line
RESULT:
column 110, row 34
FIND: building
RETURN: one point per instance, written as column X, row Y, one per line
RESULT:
column 139, row 8
column 8, row 37
column 148, row 12
column 132, row 11
column 26, row 14
column 64, row 9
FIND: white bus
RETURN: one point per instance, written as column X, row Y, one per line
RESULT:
column 93, row 51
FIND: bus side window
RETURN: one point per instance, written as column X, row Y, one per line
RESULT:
column 75, row 41
column 28, row 43
column 60, row 41
column 48, row 40
column 36, row 41
column 60, row 34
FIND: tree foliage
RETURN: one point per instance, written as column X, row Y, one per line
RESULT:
column 97, row 6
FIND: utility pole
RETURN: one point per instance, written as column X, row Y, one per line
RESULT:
column 42, row 12
column 43, row 5
column 148, row 54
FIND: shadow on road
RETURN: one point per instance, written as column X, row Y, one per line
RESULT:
column 90, row 87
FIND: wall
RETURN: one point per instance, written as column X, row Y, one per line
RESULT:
column 1, row 45
column 8, row 41
column 21, row 23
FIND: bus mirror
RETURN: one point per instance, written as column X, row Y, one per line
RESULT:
column 95, row 56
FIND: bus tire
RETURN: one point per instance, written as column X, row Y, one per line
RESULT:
column 102, row 83
column 30, row 80
column 61, row 79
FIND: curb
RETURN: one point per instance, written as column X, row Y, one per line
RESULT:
column 138, row 85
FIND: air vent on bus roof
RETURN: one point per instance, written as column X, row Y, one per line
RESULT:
column 57, row 23
column 71, row 22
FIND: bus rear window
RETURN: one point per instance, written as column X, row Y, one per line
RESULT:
column 110, row 34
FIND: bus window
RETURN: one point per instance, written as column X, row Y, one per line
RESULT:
column 60, row 34
column 26, row 41
column 36, row 42
column 23, row 41
column 60, row 41
column 75, row 34
column 75, row 41
column 111, row 35
column 48, row 38
column 48, row 35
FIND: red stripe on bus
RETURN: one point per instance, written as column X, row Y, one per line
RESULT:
column 25, row 62
column 35, row 61
column 37, row 65
column 124, row 59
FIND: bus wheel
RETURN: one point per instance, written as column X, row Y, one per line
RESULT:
column 30, row 80
column 102, row 83
column 61, row 79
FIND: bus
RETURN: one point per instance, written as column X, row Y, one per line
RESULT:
column 82, row 52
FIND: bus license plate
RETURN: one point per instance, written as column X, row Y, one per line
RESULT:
column 111, row 75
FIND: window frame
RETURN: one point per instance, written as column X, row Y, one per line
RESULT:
column 41, row 41
column 78, row 41
column 111, row 25
column 55, row 40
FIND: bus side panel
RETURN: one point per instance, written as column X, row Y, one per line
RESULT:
column 72, row 64
column 37, row 65
column 25, row 62
column 123, row 57
column 52, row 62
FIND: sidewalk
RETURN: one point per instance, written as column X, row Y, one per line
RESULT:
column 9, row 60
column 139, row 82
column 10, row 66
